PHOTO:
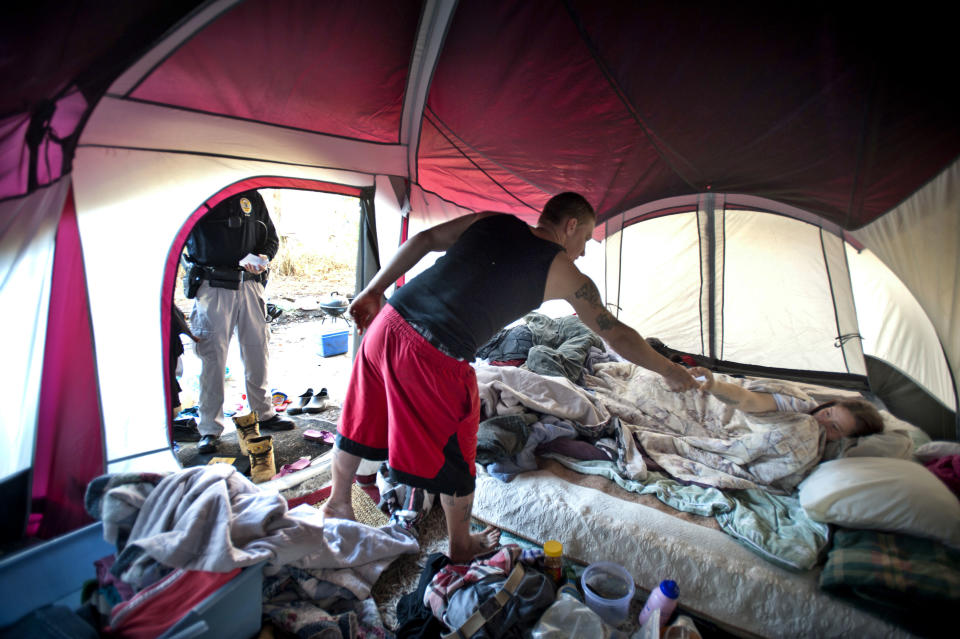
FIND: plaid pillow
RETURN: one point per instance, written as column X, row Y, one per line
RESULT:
column 906, row 580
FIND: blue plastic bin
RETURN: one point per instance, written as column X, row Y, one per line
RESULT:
column 333, row 343
column 54, row 572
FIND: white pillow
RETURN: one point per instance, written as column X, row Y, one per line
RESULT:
column 878, row 493
column 894, row 443
column 891, row 422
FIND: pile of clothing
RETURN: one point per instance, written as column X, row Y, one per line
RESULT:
column 189, row 532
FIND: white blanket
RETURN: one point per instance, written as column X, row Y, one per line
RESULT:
column 506, row 390
column 695, row 437
column 213, row 518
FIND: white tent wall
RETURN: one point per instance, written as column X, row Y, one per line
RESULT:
column 653, row 275
column 920, row 242
column 895, row 328
column 130, row 206
column 778, row 305
column 390, row 207
column 776, row 279
column 28, row 229
column 127, row 124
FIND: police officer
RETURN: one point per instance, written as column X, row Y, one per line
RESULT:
column 229, row 296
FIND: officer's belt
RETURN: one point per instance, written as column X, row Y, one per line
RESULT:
column 228, row 274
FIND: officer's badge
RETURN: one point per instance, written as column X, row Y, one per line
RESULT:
column 245, row 206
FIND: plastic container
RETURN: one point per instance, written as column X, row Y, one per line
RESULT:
column 663, row 598
column 54, row 572
column 333, row 343
column 553, row 559
column 607, row 590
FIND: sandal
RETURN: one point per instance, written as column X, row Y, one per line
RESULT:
column 292, row 467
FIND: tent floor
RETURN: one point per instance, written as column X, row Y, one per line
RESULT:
column 288, row 445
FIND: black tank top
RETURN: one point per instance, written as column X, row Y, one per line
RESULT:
column 493, row 274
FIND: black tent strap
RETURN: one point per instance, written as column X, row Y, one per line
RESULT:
column 843, row 339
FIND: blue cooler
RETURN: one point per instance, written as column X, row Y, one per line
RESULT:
column 334, row 343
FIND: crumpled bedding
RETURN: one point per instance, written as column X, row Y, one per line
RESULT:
column 508, row 390
column 213, row 518
column 771, row 525
column 697, row 438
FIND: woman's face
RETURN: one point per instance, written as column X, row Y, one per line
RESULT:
column 837, row 421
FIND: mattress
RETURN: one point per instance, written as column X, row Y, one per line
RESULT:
column 719, row 579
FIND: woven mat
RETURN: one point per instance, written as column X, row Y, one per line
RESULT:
column 364, row 508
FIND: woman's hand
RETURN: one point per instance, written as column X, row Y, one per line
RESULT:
column 704, row 376
column 364, row 308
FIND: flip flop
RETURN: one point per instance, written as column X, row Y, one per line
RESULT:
column 293, row 467
column 314, row 435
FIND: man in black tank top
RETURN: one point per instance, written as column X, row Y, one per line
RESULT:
column 412, row 398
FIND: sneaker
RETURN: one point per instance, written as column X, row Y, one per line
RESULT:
column 302, row 401
column 318, row 403
column 278, row 422
column 208, row 444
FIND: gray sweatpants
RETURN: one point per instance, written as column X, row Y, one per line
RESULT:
column 217, row 314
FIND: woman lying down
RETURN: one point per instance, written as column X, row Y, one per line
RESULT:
column 839, row 418
column 768, row 435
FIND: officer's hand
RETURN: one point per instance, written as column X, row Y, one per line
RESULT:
column 257, row 269
column 364, row 308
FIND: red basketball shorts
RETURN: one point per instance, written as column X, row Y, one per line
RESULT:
column 414, row 406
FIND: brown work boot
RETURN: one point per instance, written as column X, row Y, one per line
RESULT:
column 262, row 465
column 247, row 426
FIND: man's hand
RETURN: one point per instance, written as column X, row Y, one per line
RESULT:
column 678, row 379
column 706, row 384
column 364, row 308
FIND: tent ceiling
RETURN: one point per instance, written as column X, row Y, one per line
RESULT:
column 839, row 111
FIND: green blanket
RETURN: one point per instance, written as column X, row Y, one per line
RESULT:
column 773, row 526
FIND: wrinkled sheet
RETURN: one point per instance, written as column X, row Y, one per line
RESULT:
column 697, row 438
column 508, row 390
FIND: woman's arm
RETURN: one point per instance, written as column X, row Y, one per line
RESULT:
column 746, row 400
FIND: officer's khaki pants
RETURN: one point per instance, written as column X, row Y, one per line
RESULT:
column 217, row 314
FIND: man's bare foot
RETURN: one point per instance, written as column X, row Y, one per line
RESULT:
column 338, row 511
column 482, row 542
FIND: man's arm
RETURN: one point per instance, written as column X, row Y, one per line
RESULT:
column 437, row 238
column 565, row 281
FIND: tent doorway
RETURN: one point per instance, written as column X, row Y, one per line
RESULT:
column 317, row 258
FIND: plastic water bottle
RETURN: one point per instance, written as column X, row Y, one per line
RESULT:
column 664, row 598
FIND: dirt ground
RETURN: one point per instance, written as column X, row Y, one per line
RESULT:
column 296, row 363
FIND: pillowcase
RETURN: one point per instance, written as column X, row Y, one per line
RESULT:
column 894, row 443
column 893, row 423
column 936, row 450
column 877, row 493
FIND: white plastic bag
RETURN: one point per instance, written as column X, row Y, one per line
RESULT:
column 569, row 617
